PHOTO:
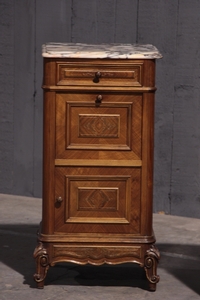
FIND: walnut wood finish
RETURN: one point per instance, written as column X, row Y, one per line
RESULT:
column 98, row 165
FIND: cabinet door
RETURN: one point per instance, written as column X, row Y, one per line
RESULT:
column 98, row 126
column 97, row 200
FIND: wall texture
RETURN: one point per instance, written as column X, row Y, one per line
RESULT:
column 173, row 26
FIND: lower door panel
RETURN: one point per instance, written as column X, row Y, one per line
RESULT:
column 97, row 200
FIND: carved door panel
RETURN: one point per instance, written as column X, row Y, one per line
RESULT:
column 97, row 200
column 93, row 126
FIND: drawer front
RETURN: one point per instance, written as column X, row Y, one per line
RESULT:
column 109, row 199
column 100, row 74
column 89, row 129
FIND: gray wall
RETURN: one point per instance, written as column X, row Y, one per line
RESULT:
column 173, row 26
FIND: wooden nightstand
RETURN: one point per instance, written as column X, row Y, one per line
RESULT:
column 98, row 157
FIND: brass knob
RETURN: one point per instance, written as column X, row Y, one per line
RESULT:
column 96, row 77
column 98, row 99
column 59, row 199
column 98, row 74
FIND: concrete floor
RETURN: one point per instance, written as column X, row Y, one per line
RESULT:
column 178, row 240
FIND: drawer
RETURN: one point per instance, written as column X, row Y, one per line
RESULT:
column 104, row 74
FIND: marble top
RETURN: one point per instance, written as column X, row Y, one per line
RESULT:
column 113, row 51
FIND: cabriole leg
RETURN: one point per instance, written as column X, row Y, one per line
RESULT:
column 42, row 264
column 150, row 265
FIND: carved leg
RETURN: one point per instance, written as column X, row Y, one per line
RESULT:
column 150, row 265
column 42, row 264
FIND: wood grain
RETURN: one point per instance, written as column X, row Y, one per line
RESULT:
column 98, row 168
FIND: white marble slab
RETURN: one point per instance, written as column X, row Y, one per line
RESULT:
column 113, row 51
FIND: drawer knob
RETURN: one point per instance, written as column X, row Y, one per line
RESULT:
column 98, row 99
column 59, row 199
column 96, row 77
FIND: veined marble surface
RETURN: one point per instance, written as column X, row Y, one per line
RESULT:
column 114, row 51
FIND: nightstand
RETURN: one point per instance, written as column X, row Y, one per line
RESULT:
column 98, row 157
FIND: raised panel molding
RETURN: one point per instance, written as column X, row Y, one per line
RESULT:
column 102, row 199
column 98, row 199
column 99, row 125
column 109, row 129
